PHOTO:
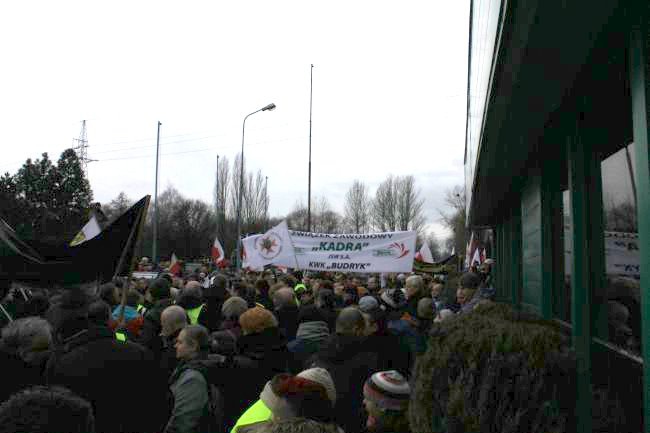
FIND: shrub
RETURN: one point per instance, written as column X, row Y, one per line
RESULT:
column 494, row 370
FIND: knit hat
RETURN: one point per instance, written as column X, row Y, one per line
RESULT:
column 322, row 376
column 159, row 289
column 368, row 304
column 470, row 280
column 234, row 307
column 388, row 390
column 282, row 392
column 394, row 298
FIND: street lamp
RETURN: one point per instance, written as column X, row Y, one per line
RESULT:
column 269, row 107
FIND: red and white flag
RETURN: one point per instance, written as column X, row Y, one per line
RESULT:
column 424, row 255
column 217, row 252
column 175, row 266
column 476, row 260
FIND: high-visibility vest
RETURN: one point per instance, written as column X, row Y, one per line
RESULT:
column 141, row 309
column 258, row 412
column 120, row 336
column 193, row 314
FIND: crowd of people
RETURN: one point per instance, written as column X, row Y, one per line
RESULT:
column 217, row 352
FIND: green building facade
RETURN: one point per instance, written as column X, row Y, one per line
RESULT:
column 557, row 163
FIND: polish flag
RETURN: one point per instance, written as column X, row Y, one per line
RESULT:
column 175, row 266
column 217, row 252
column 424, row 255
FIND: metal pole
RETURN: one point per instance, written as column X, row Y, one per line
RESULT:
column 154, row 252
column 239, row 199
column 241, row 185
column 266, row 203
column 311, row 87
column 216, row 187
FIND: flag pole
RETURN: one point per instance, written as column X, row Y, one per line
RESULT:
column 6, row 313
column 136, row 228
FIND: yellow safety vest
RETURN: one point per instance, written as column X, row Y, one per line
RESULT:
column 120, row 336
column 141, row 309
column 193, row 314
column 258, row 412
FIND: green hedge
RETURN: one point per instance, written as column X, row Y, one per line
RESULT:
column 494, row 370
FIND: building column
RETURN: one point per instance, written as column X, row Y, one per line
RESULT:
column 640, row 92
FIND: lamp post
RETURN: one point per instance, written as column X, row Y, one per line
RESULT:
column 269, row 107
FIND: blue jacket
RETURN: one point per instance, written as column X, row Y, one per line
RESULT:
column 130, row 313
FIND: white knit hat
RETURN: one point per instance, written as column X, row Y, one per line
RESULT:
column 321, row 376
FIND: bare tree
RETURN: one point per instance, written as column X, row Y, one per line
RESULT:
column 323, row 218
column 117, row 206
column 357, row 207
column 234, row 186
column 455, row 220
column 409, row 209
column 297, row 218
column 254, row 206
column 398, row 206
column 384, row 206
column 221, row 194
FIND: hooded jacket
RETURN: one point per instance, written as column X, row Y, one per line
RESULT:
column 189, row 385
column 92, row 364
column 309, row 339
column 261, row 356
column 350, row 360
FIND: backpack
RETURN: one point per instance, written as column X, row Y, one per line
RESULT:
column 215, row 396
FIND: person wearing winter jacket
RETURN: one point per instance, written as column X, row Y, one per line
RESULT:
column 350, row 358
column 160, row 296
column 189, row 384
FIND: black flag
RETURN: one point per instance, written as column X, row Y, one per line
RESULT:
column 99, row 259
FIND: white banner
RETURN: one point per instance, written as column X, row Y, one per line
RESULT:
column 621, row 253
column 373, row 252
column 273, row 247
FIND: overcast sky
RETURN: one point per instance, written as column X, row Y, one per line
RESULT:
column 389, row 86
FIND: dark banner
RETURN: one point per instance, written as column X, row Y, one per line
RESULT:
column 97, row 259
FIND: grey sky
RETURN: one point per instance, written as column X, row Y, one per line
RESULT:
column 389, row 92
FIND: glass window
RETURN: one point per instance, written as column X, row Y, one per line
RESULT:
column 622, row 250
column 562, row 301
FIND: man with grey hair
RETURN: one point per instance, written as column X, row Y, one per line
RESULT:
column 173, row 320
column 24, row 351
column 350, row 359
column 286, row 312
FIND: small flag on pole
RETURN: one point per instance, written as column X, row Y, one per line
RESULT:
column 87, row 232
column 424, row 255
column 217, row 252
column 175, row 266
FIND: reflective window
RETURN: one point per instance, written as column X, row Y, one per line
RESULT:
column 622, row 250
column 562, row 302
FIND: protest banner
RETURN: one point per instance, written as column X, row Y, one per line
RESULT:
column 621, row 253
column 360, row 253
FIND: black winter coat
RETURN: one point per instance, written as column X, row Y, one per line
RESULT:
column 261, row 356
column 18, row 374
column 288, row 321
column 351, row 361
column 115, row 377
column 150, row 334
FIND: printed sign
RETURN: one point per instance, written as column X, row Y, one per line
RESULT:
column 361, row 253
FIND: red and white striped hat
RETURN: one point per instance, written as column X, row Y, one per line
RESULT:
column 388, row 390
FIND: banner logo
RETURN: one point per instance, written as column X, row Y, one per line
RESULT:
column 269, row 245
column 400, row 248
